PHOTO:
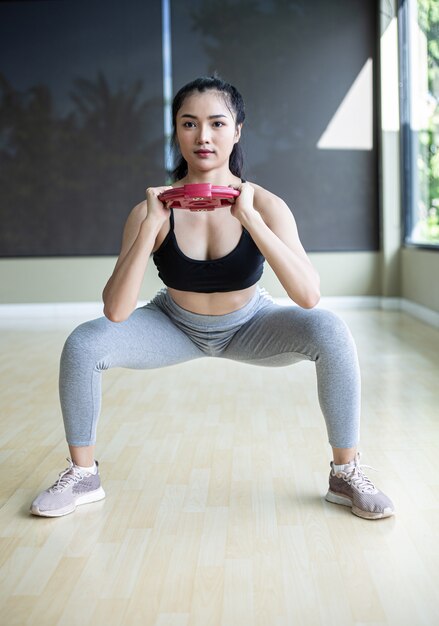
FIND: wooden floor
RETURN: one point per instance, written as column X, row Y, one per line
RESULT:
column 215, row 475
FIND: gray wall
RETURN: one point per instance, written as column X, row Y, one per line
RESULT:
column 81, row 131
column 295, row 62
column 82, row 123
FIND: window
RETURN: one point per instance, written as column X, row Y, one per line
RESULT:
column 419, row 43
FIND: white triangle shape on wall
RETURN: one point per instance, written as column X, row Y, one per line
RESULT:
column 351, row 127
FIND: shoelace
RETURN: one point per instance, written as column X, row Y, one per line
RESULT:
column 359, row 480
column 71, row 475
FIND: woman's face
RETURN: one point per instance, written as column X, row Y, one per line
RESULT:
column 206, row 131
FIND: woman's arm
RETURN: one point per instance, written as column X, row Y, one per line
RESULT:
column 273, row 229
column 122, row 290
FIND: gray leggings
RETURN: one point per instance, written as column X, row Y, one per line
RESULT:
column 261, row 333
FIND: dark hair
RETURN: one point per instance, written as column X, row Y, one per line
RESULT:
column 234, row 101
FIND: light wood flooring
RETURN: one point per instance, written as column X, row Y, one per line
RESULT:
column 215, row 474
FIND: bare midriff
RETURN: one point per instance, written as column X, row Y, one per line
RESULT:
column 212, row 303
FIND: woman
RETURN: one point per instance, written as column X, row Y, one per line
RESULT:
column 210, row 263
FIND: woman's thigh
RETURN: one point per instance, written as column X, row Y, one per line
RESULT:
column 286, row 335
column 282, row 335
column 147, row 339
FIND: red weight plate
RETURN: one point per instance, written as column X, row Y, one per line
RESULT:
column 199, row 197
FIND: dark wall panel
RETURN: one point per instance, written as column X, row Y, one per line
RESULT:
column 294, row 62
column 81, row 122
column 81, row 117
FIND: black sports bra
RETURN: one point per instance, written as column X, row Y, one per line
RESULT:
column 239, row 269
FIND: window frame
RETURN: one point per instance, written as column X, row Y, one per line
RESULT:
column 408, row 149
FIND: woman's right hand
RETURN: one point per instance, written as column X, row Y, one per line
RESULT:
column 157, row 211
column 122, row 290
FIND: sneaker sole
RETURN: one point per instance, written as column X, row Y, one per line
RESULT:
column 87, row 498
column 346, row 501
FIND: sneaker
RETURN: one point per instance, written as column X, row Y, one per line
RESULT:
column 73, row 487
column 352, row 488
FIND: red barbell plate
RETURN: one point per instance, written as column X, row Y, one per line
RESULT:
column 199, row 197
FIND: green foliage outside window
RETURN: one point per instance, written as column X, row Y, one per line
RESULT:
column 427, row 228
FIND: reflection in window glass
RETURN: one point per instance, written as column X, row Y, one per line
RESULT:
column 310, row 105
column 81, row 122
column 423, row 78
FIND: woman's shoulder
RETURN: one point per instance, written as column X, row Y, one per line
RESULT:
column 265, row 199
column 138, row 212
column 135, row 218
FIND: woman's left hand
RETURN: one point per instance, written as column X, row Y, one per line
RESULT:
column 243, row 206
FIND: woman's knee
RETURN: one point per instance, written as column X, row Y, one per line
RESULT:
column 83, row 343
column 328, row 321
column 327, row 328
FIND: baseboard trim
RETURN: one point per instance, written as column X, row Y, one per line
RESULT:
column 88, row 310
column 428, row 316
column 50, row 309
